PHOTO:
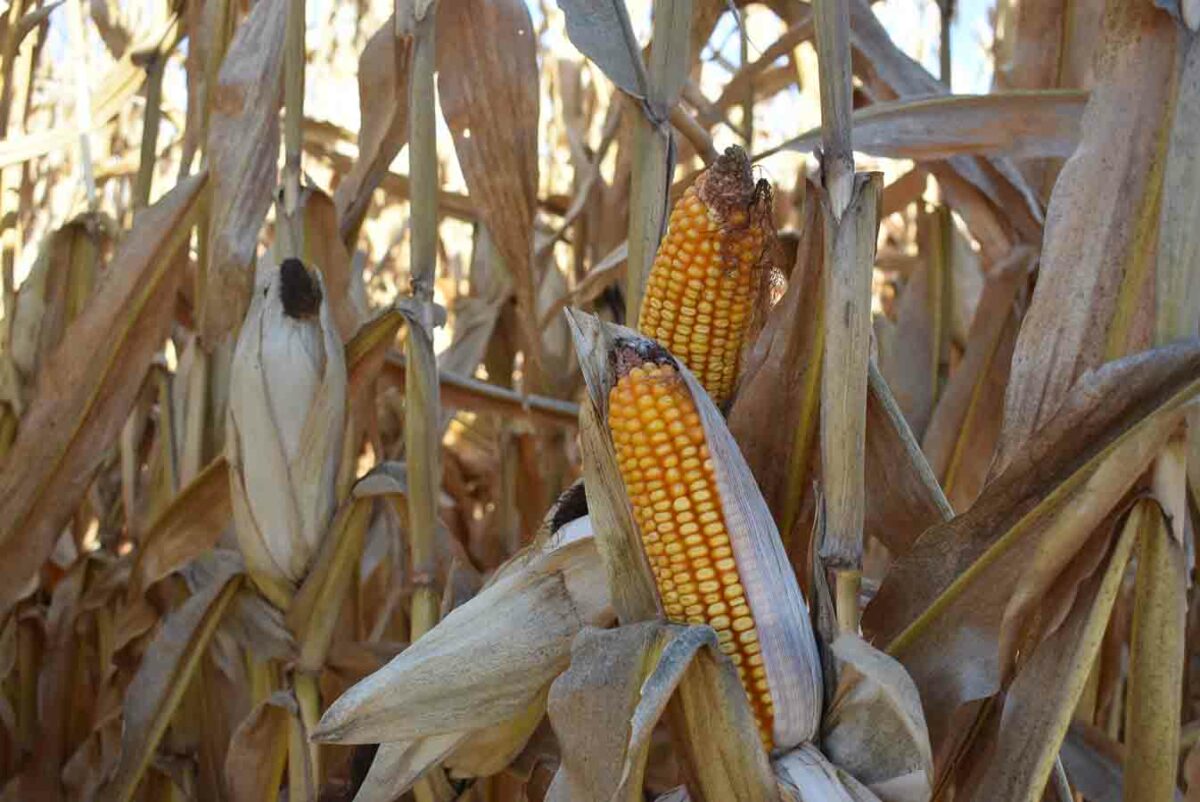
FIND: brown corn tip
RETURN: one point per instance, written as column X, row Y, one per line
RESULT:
column 704, row 281
column 668, row 474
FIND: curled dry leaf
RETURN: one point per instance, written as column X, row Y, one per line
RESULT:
column 258, row 749
column 89, row 383
column 188, row 527
column 56, row 290
column 602, row 32
column 383, row 102
column 243, row 150
column 1039, row 704
column 805, row 775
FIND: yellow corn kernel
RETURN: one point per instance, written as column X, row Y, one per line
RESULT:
column 697, row 571
column 705, row 277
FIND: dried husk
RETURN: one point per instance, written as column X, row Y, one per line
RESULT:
column 875, row 727
column 805, row 775
column 604, row 709
column 285, row 422
column 489, row 658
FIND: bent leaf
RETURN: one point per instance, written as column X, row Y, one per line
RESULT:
column 1021, row 125
column 162, row 678
column 383, row 104
column 243, row 150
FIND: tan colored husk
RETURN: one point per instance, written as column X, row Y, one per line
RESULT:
column 875, row 727
column 806, row 776
column 605, row 708
column 780, row 613
column 486, row 660
column 285, row 422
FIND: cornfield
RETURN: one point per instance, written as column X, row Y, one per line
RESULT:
column 490, row 400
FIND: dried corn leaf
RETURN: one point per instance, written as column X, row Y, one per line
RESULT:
column 163, row 677
column 958, row 453
column 943, row 605
column 56, row 290
column 383, row 103
column 1156, row 654
column 874, row 728
column 1090, row 303
column 488, row 89
column 1040, row 702
column 258, row 749
column 317, row 606
column 1108, row 406
column 54, row 688
column 488, row 751
column 397, row 766
column 188, row 527
column 1020, row 125
column 781, row 378
column 1177, row 279
column 602, row 32
column 1004, row 192
column 88, row 386
column 243, row 151
column 906, row 349
column 903, row 497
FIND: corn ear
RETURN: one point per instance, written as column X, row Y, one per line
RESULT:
column 707, row 535
column 285, row 425
column 704, row 284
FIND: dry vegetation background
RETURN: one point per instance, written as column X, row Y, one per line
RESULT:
column 965, row 397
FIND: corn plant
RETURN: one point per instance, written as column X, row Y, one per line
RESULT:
column 672, row 400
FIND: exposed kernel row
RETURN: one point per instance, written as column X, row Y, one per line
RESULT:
column 668, row 475
column 699, row 293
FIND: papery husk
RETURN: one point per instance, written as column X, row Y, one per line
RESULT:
column 486, row 661
column 779, row 609
column 805, row 775
column 605, row 707
column 282, row 504
column 875, row 727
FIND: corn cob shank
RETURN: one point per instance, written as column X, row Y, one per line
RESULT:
column 667, row 470
column 705, row 278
